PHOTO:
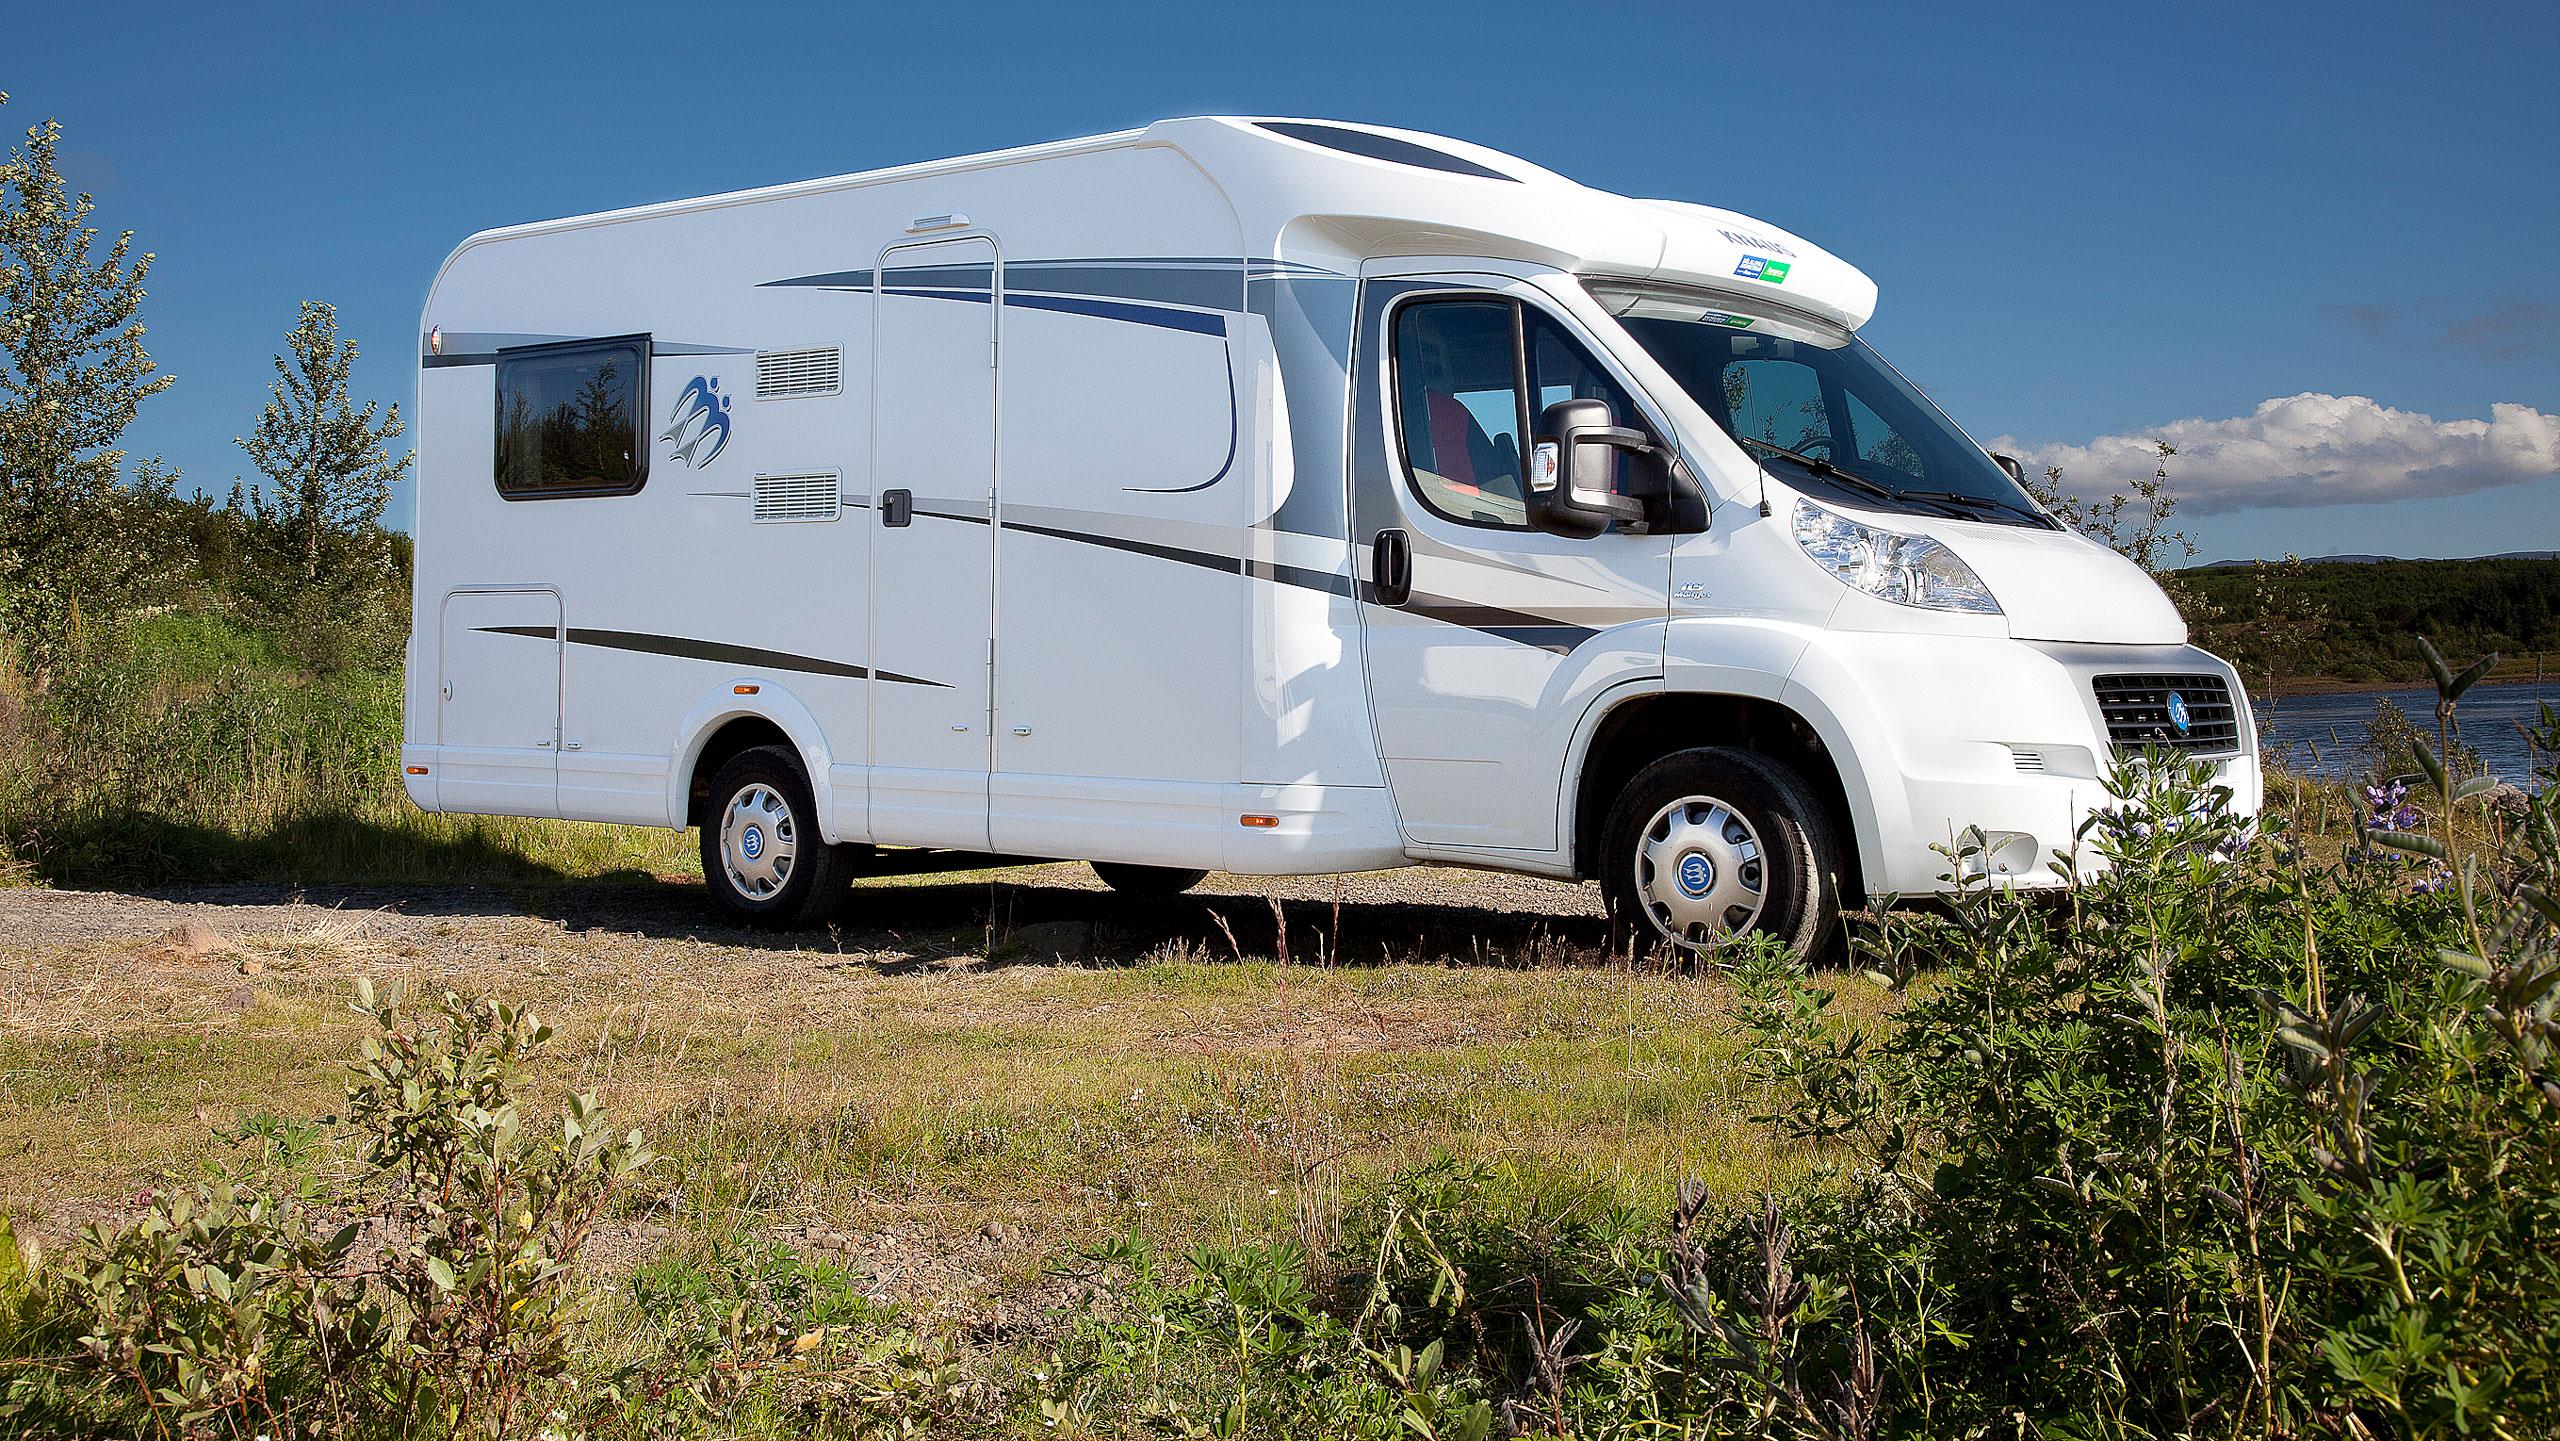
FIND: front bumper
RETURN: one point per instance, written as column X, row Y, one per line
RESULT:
column 1950, row 734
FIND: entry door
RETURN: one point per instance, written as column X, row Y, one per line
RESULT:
column 1473, row 671
column 498, row 719
column 933, row 551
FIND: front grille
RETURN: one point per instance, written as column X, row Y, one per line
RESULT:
column 2139, row 713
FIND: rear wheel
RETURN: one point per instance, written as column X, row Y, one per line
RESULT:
column 1147, row 882
column 762, row 856
column 1710, row 843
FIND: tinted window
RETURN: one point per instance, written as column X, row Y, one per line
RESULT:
column 1381, row 147
column 571, row 418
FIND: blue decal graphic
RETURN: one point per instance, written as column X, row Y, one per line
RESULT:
column 699, row 425
column 1750, row 267
column 2179, row 715
column 1696, row 876
column 752, row 842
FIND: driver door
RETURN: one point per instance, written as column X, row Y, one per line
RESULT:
column 1484, row 638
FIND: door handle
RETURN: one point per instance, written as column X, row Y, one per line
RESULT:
column 897, row 508
column 1391, row 568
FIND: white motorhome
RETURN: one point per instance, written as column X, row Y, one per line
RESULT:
column 1270, row 496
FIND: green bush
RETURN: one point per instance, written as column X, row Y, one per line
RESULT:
column 2232, row 1144
column 435, row 1301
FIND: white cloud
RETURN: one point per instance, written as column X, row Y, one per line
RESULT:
column 2314, row 449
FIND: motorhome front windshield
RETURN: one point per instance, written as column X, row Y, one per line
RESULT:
column 1820, row 405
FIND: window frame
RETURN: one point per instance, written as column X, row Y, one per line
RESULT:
column 641, row 346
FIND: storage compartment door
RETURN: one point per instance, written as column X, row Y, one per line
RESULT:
column 498, row 713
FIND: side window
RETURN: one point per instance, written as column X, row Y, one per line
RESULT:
column 1458, row 408
column 572, row 419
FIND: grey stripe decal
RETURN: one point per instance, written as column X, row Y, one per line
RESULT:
column 687, row 649
column 1542, row 632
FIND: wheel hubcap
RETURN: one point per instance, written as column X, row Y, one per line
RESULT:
column 759, row 840
column 1699, row 871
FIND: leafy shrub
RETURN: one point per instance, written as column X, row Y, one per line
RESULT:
column 2256, row 1148
column 439, row 1300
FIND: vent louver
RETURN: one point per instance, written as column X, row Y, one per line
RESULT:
column 812, row 496
column 790, row 374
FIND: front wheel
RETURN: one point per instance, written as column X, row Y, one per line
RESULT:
column 762, row 856
column 1709, row 843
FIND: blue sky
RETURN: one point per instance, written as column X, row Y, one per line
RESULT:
column 2086, row 227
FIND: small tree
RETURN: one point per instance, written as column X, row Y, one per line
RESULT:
column 320, row 569
column 73, row 372
column 2135, row 526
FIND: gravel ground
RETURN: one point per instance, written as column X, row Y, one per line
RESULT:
column 1423, row 912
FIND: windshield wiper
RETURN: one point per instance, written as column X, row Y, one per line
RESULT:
column 1820, row 467
column 1975, row 502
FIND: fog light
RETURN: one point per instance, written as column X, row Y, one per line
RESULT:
column 1996, row 853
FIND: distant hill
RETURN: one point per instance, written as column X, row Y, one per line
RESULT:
column 2352, row 619
column 2374, row 560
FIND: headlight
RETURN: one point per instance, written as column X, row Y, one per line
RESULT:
column 1905, row 569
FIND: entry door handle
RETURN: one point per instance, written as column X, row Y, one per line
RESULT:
column 897, row 507
column 1391, row 568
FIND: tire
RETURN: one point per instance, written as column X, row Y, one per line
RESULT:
column 762, row 857
column 1153, row 883
column 1746, row 827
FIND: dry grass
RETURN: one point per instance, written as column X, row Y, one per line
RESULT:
column 899, row 1094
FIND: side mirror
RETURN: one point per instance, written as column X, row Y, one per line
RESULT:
column 2010, row 464
column 1574, row 467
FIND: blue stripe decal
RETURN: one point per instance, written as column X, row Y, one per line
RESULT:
column 1195, row 321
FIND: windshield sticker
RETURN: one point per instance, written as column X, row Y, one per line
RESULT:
column 1718, row 317
column 1755, row 267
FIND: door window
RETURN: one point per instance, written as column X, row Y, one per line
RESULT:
column 1458, row 403
column 1462, row 408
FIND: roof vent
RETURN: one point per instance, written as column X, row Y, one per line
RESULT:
column 789, row 374
column 815, row 495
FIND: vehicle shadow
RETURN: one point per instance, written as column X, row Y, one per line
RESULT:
column 1036, row 916
column 1031, row 915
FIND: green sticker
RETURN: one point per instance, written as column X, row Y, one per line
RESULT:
column 1775, row 272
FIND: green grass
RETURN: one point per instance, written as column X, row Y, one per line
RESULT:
column 194, row 752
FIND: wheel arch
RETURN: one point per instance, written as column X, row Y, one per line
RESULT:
column 1643, row 726
column 726, row 723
